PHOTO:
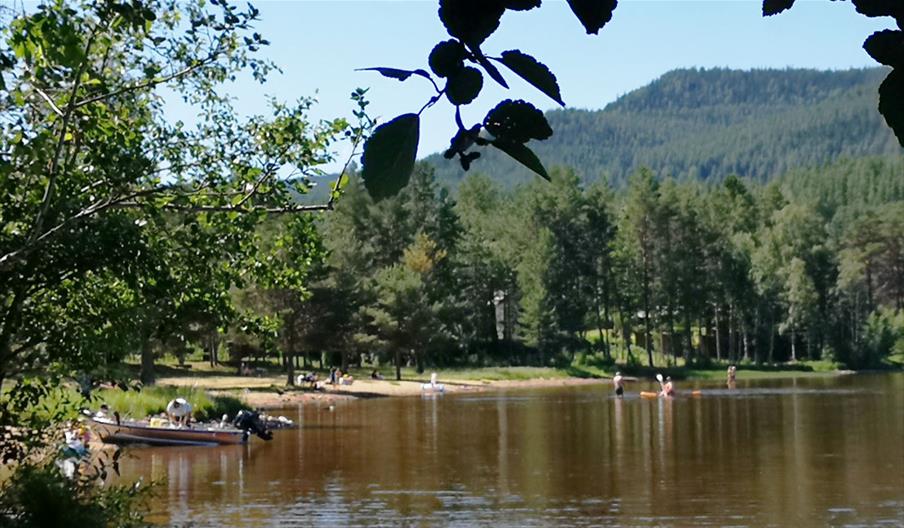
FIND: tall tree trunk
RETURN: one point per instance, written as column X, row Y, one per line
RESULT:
column 746, row 344
column 648, row 333
column 688, row 339
column 671, row 325
column 755, row 338
column 869, row 283
column 213, row 347
column 701, row 328
column 626, row 335
column 398, row 364
column 793, row 344
column 771, row 336
column 648, row 341
column 718, row 334
column 732, row 349
column 608, row 320
column 290, row 361
column 600, row 329
column 10, row 322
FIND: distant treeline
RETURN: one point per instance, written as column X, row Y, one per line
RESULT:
column 706, row 124
column 809, row 266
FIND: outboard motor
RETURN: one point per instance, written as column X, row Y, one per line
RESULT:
column 250, row 422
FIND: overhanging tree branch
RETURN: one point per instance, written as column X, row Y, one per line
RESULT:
column 150, row 83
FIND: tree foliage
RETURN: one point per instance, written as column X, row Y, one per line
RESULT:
column 510, row 125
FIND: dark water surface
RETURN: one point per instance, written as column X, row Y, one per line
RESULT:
column 806, row 452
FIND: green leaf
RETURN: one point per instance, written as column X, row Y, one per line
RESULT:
column 887, row 47
column 472, row 21
column 447, row 57
column 389, row 156
column 523, row 155
column 593, row 14
column 774, row 7
column 517, row 121
column 534, row 72
column 891, row 102
column 395, row 73
column 464, row 86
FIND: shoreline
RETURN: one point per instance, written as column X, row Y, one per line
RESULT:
column 271, row 398
column 270, row 393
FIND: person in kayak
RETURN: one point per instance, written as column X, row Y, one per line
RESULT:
column 667, row 388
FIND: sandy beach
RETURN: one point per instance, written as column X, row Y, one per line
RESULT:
column 271, row 392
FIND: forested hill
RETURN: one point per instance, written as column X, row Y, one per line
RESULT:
column 707, row 124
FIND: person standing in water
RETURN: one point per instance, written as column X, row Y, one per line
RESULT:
column 732, row 375
column 619, row 383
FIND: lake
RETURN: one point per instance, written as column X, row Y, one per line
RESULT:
column 816, row 451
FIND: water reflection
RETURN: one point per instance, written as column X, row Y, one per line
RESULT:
column 807, row 451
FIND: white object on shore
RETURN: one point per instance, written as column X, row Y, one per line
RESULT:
column 433, row 386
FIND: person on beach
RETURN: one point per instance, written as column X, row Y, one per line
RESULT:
column 667, row 388
column 179, row 412
column 619, row 381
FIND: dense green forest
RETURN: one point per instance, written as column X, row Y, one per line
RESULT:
column 809, row 266
column 706, row 124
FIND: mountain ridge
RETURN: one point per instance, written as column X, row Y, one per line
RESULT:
column 708, row 123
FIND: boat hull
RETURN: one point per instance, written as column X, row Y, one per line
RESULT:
column 129, row 432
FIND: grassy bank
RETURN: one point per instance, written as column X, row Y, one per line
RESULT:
column 152, row 400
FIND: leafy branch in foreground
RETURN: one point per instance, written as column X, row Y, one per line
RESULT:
column 459, row 65
column 886, row 47
column 104, row 191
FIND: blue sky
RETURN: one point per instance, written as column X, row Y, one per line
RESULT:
column 319, row 44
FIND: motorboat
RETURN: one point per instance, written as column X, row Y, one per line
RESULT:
column 161, row 433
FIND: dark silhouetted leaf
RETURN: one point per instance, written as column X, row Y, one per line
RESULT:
column 891, row 102
column 472, row 21
column 447, row 57
column 463, row 86
column 593, row 14
column 389, row 156
column 534, row 72
column 774, row 7
column 517, row 121
column 395, row 73
column 523, row 155
column 490, row 68
column 880, row 8
column 521, row 5
column 887, row 47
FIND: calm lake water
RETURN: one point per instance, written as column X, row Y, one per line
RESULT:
column 807, row 452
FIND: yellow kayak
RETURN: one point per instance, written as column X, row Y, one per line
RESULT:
column 646, row 394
